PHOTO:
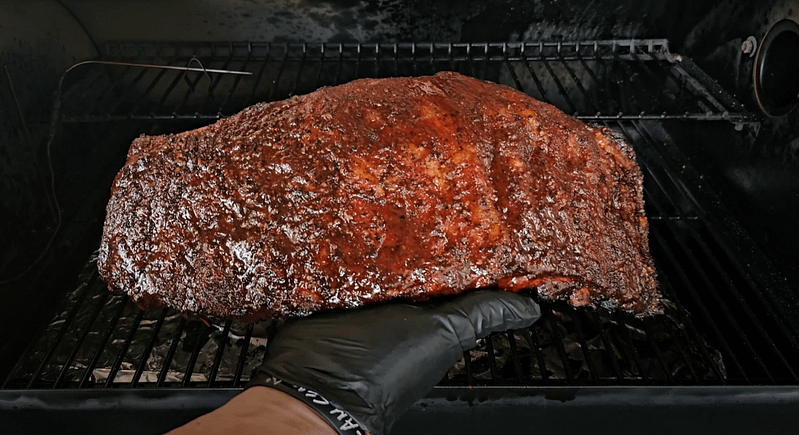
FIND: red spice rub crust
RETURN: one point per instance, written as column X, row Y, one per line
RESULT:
column 380, row 189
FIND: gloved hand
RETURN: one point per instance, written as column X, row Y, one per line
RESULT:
column 375, row 362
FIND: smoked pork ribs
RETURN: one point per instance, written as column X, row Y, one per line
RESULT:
column 380, row 189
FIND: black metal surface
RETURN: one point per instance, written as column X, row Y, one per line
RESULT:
column 721, row 326
column 479, row 410
column 777, row 69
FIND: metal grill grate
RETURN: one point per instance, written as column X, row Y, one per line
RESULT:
column 718, row 328
column 592, row 80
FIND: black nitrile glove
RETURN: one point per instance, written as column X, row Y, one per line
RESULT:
column 376, row 362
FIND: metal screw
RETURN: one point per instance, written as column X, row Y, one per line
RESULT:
column 749, row 46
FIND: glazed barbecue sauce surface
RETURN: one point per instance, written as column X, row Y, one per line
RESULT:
column 380, row 189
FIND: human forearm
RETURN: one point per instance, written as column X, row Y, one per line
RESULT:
column 259, row 410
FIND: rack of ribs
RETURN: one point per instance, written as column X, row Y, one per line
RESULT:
column 380, row 189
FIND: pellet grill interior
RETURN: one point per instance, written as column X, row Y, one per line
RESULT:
column 728, row 322
column 99, row 339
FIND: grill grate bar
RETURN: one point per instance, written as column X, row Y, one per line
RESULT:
column 589, row 363
column 755, row 320
column 114, row 104
column 492, row 361
column 515, row 77
column 358, row 61
column 148, row 348
column 124, row 350
column 572, row 107
column 138, row 102
column 245, row 344
column 697, row 86
column 467, row 363
column 590, row 99
column 686, row 360
column 606, row 344
column 219, row 352
column 376, row 62
column 317, row 82
column 541, row 91
column 62, row 331
column 79, row 342
column 532, row 338
column 663, row 280
column 109, row 330
column 592, row 370
column 257, row 59
column 630, row 348
column 236, row 82
column 720, row 301
column 171, row 353
column 192, row 88
column 217, row 78
column 724, row 307
column 413, row 61
column 612, row 104
column 297, row 79
column 732, row 287
column 251, row 99
column 514, row 353
column 772, row 315
column 28, row 354
column 194, row 354
column 690, row 328
column 549, row 318
column 273, row 89
column 630, row 105
column 710, row 87
column 658, row 355
column 481, row 65
column 105, row 91
column 654, row 231
column 430, row 64
column 82, row 89
column 179, row 77
column 662, row 243
column 337, row 76
column 683, row 91
column 670, row 73
column 657, row 82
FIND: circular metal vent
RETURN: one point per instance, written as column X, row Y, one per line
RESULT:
column 776, row 72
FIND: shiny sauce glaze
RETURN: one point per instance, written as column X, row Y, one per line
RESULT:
column 380, row 189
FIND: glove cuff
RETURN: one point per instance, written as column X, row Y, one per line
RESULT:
column 339, row 419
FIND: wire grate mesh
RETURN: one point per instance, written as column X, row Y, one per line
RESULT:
column 100, row 339
column 593, row 80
